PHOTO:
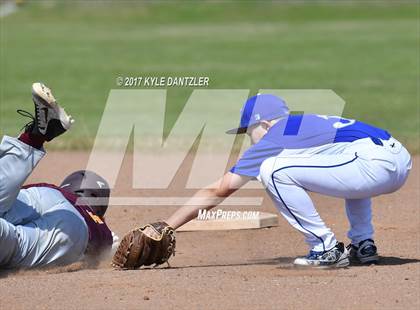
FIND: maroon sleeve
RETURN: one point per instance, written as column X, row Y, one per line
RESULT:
column 100, row 236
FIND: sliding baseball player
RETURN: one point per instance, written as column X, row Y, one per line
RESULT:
column 44, row 224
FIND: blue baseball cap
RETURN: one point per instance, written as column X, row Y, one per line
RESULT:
column 260, row 107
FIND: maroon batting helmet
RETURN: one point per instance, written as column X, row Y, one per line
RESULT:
column 88, row 184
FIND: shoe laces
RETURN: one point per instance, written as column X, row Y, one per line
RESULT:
column 314, row 254
column 28, row 125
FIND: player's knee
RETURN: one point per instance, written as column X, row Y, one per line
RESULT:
column 271, row 172
column 275, row 169
column 281, row 176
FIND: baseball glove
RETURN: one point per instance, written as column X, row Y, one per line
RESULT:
column 145, row 246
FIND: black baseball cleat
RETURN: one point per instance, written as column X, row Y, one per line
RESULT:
column 365, row 252
column 50, row 119
column 335, row 258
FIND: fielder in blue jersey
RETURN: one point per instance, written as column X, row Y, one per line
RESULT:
column 295, row 154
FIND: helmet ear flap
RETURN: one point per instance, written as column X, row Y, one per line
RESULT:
column 89, row 185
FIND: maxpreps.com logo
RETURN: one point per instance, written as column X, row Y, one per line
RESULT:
column 219, row 214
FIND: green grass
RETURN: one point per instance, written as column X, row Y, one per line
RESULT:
column 368, row 53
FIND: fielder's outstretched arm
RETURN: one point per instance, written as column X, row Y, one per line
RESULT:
column 207, row 198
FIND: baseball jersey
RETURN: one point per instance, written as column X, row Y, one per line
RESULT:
column 100, row 236
column 304, row 131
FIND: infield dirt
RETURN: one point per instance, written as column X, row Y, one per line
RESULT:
column 245, row 269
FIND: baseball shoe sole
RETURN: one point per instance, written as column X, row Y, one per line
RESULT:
column 50, row 118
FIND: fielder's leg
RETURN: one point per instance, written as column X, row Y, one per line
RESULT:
column 297, row 208
column 388, row 166
column 368, row 171
column 288, row 178
column 359, row 213
column 362, row 248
